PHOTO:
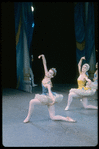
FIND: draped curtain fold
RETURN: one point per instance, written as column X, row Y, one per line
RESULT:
column 84, row 30
column 23, row 31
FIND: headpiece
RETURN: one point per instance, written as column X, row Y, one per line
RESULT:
column 54, row 70
column 87, row 66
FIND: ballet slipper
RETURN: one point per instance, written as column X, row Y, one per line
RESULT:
column 70, row 119
column 26, row 120
column 67, row 108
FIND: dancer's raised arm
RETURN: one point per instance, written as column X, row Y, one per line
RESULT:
column 44, row 63
column 80, row 63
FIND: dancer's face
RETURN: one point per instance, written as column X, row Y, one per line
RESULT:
column 84, row 69
column 50, row 73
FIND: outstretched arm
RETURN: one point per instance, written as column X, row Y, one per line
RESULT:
column 80, row 63
column 44, row 63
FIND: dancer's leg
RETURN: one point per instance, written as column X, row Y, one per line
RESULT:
column 51, row 110
column 70, row 98
column 31, row 108
column 85, row 104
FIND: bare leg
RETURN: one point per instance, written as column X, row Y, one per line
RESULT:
column 70, row 98
column 31, row 108
column 51, row 110
column 86, row 106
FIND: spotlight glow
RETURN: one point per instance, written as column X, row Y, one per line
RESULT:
column 33, row 24
column 32, row 8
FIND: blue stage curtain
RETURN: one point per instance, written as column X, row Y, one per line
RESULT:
column 79, row 30
column 84, row 30
column 90, row 32
column 23, row 23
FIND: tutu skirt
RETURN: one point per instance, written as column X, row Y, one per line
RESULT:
column 82, row 92
column 46, row 99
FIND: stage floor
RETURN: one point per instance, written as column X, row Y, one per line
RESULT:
column 41, row 131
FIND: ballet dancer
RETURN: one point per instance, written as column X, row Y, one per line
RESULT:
column 94, row 84
column 86, row 87
column 47, row 97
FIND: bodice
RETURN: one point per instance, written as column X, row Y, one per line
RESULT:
column 44, row 90
column 81, row 85
column 46, row 81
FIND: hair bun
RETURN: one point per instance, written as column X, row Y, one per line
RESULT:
column 54, row 70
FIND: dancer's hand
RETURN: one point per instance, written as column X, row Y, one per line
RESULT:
column 50, row 104
column 40, row 56
column 83, row 58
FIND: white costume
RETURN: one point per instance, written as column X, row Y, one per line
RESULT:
column 47, row 97
column 44, row 98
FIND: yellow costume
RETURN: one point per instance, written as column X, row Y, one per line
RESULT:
column 82, row 90
column 81, row 85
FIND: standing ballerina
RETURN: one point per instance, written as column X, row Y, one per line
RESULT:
column 47, row 97
column 84, row 89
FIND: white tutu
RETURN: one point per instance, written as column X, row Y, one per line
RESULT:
column 82, row 92
column 45, row 99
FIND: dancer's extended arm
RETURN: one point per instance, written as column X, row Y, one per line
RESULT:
column 44, row 63
column 80, row 63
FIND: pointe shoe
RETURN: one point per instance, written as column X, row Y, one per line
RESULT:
column 70, row 120
column 26, row 120
column 66, row 108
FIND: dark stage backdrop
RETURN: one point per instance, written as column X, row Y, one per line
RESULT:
column 53, row 36
column 8, row 50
